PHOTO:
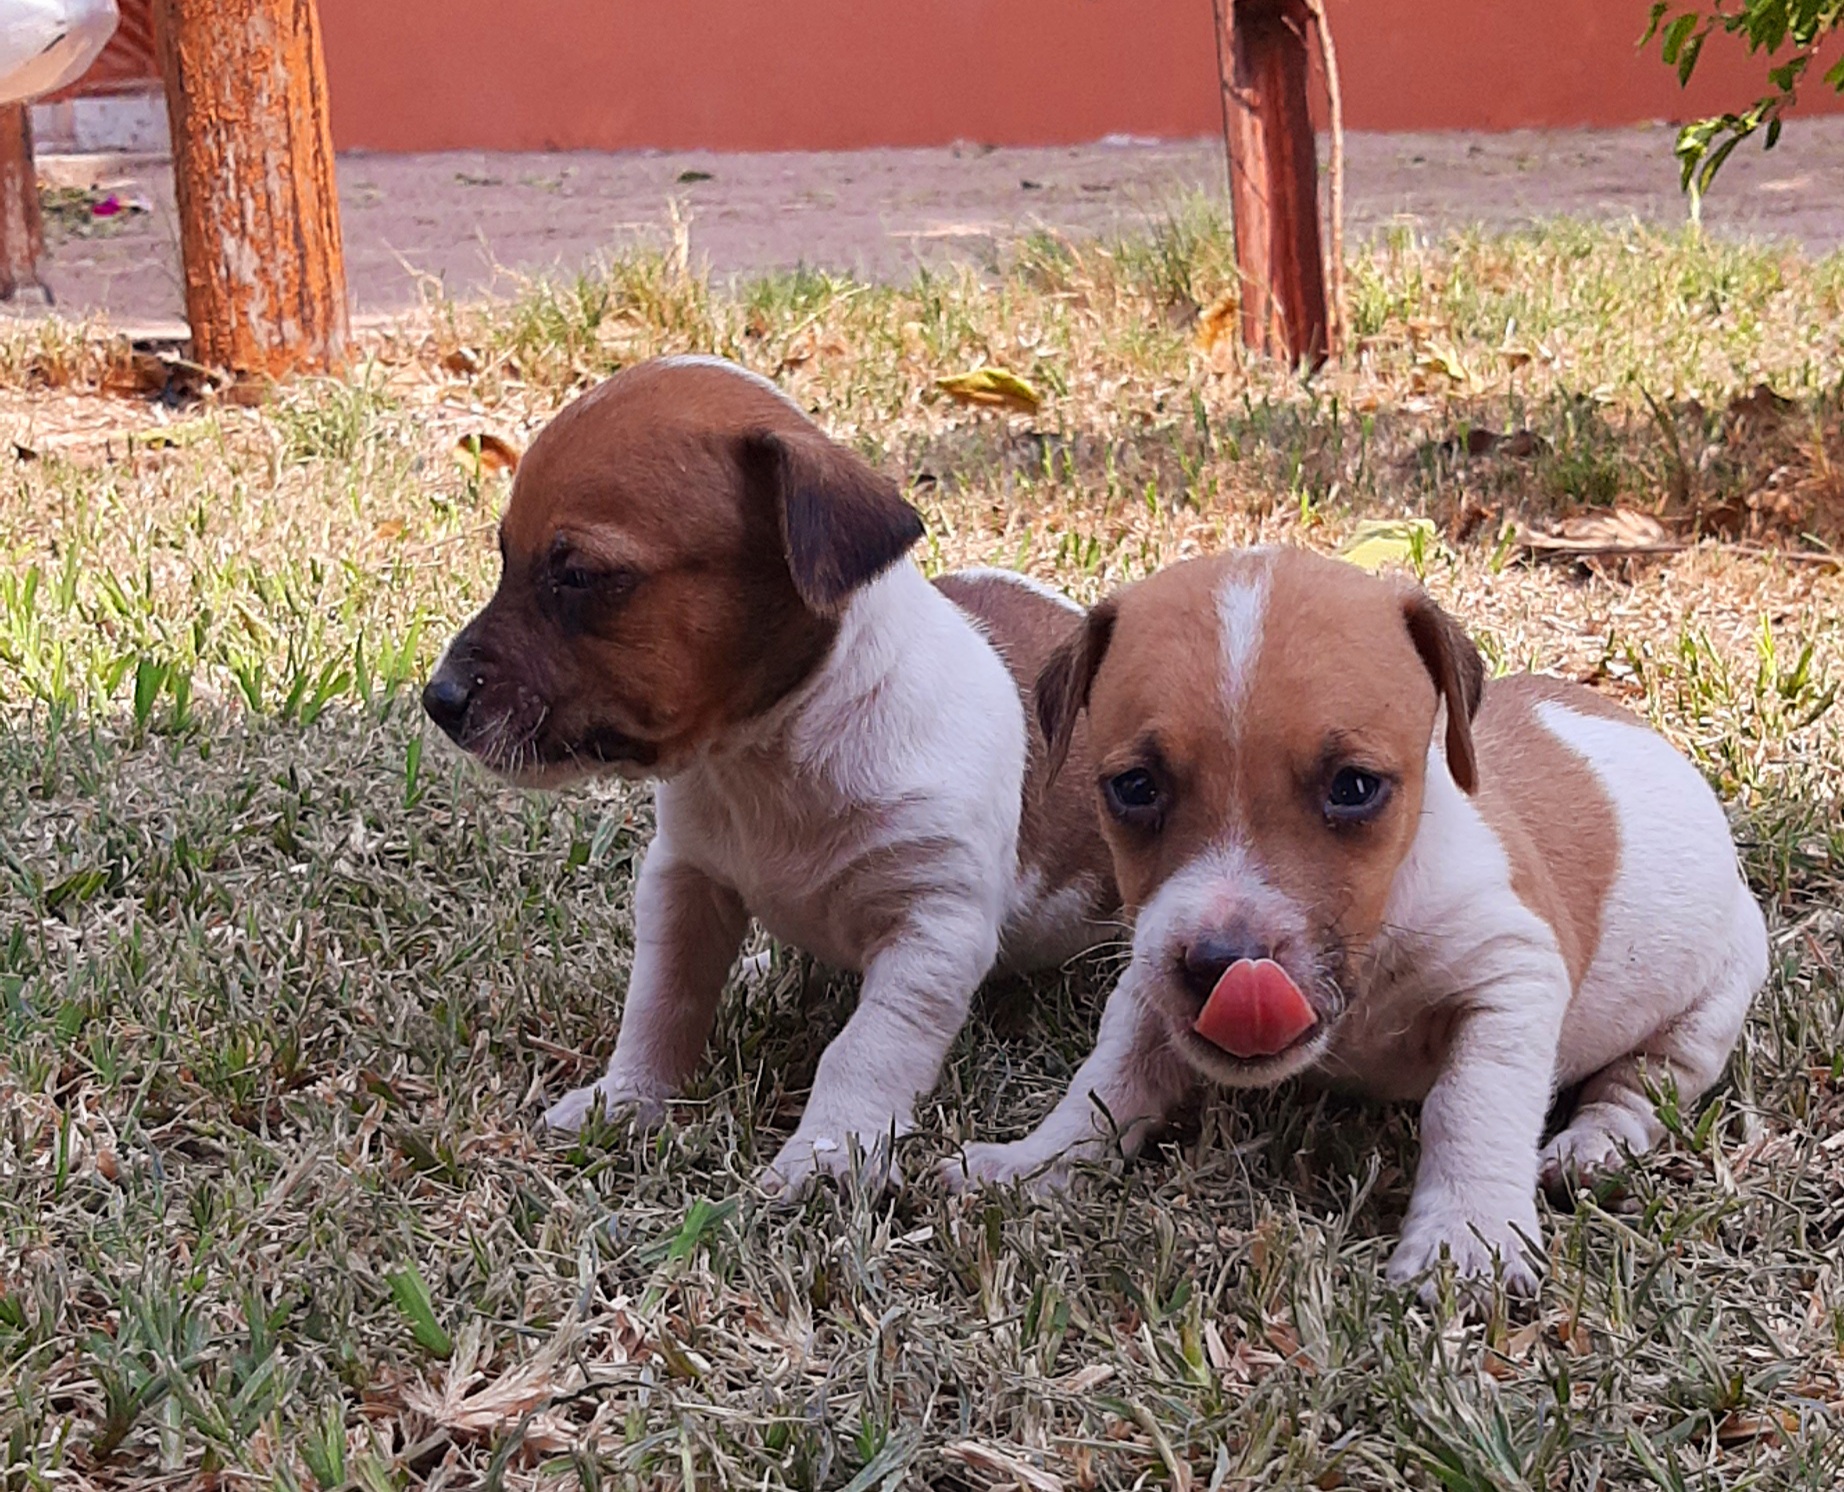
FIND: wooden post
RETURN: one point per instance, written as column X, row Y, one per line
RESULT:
column 22, row 231
column 253, row 176
column 1262, row 63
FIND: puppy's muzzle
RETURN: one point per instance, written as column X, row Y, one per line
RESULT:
column 1208, row 958
column 448, row 694
column 1252, row 1040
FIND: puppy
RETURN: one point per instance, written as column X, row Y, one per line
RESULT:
column 699, row 587
column 1352, row 857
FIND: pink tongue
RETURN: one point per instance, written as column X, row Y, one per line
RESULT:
column 1255, row 1010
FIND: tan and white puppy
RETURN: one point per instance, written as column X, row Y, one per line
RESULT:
column 1484, row 891
column 699, row 587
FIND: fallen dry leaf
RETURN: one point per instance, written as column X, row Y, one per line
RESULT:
column 1504, row 1358
column 1738, row 1427
column 1220, row 321
column 1286, row 1341
column 1759, row 406
column 809, row 344
column 1609, row 531
column 469, row 1405
column 1480, row 441
column 1438, row 360
column 1571, row 1333
column 1085, row 1378
column 991, row 387
column 977, row 1455
column 1617, row 526
column 482, row 452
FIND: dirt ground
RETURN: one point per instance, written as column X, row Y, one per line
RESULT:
column 474, row 223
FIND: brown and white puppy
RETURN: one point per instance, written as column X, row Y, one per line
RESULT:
column 699, row 587
column 1484, row 891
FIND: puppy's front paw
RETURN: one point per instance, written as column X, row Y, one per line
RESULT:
column 1478, row 1242
column 611, row 1097
column 808, row 1156
column 1000, row 1165
column 1580, row 1155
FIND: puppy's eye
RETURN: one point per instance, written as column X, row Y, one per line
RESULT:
column 1134, row 797
column 574, row 581
column 1355, row 795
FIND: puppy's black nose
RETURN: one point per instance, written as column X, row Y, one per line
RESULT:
column 1209, row 958
column 446, row 696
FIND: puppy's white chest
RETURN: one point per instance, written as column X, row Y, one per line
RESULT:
column 793, row 869
column 820, row 870
column 893, row 788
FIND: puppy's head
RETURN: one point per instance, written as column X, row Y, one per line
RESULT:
column 678, row 548
column 1260, row 724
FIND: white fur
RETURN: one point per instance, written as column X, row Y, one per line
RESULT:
column 1683, row 948
column 1242, row 606
column 1468, row 1005
column 871, row 819
column 1462, row 948
column 1026, row 582
column 707, row 360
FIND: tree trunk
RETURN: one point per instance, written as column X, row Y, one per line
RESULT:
column 22, row 232
column 1262, row 61
column 253, row 174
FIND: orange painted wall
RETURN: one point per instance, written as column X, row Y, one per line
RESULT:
column 839, row 74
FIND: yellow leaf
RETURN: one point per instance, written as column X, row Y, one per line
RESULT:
column 990, row 387
column 1377, row 542
column 1443, row 360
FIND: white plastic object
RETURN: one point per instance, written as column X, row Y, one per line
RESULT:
column 45, row 44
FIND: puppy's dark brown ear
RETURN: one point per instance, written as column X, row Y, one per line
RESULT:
column 843, row 524
column 1061, row 691
column 1459, row 675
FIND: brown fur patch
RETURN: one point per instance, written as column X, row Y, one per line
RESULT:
column 1458, row 672
column 676, row 548
column 1057, row 832
column 1334, row 680
column 1344, row 673
column 1060, row 692
column 843, row 523
column 1549, row 809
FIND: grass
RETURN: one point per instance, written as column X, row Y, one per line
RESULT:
column 281, row 981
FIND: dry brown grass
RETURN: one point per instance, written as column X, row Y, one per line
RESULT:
column 280, row 985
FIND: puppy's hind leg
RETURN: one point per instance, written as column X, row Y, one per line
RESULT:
column 687, row 930
column 1615, row 1114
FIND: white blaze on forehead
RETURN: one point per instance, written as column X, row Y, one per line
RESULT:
column 1242, row 607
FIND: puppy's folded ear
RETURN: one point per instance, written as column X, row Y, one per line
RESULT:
column 1459, row 675
column 842, row 523
column 1062, row 688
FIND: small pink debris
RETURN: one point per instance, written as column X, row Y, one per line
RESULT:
column 108, row 207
